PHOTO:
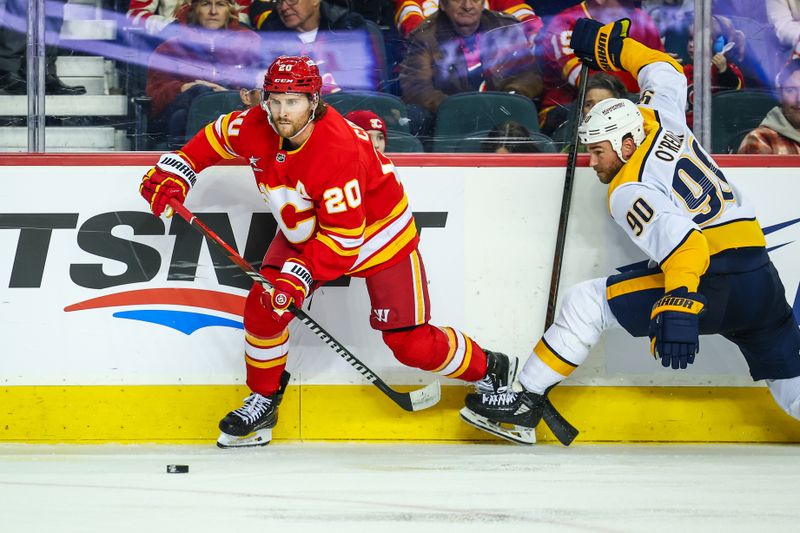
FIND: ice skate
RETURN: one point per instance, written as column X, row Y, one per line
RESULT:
column 509, row 415
column 501, row 370
column 251, row 425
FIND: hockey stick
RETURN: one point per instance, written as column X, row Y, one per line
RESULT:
column 410, row 401
column 566, row 200
column 563, row 430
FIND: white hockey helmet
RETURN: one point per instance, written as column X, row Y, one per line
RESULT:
column 611, row 120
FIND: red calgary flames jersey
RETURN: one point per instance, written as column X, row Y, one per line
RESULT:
column 337, row 200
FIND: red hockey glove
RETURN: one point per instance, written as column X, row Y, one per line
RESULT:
column 599, row 46
column 675, row 327
column 172, row 177
column 291, row 286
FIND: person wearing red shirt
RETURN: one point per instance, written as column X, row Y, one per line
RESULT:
column 341, row 210
column 560, row 67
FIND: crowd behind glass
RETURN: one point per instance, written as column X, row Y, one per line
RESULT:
column 442, row 76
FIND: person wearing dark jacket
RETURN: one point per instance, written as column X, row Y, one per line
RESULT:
column 212, row 53
column 463, row 48
column 335, row 37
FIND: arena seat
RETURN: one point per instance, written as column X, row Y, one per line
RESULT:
column 387, row 106
column 474, row 143
column 207, row 107
column 734, row 113
column 464, row 114
column 399, row 142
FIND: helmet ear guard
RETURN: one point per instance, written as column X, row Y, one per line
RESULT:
column 612, row 120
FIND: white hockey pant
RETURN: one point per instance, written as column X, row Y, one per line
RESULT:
column 786, row 393
column 584, row 316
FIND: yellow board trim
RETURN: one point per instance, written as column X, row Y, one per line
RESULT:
column 189, row 414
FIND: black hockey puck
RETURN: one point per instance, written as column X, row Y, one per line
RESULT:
column 177, row 469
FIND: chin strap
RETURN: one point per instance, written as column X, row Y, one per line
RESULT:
column 314, row 104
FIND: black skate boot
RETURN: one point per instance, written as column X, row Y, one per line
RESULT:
column 251, row 424
column 501, row 370
column 495, row 412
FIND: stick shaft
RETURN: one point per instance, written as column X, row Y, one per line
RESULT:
column 566, row 201
column 407, row 401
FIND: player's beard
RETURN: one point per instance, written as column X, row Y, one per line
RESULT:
column 288, row 128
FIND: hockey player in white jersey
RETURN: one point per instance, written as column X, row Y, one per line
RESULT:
column 713, row 275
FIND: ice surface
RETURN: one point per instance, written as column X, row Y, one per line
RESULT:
column 408, row 488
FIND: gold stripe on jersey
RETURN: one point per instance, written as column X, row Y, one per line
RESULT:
column 187, row 158
column 265, row 364
column 270, row 342
column 632, row 170
column 224, row 130
column 419, row 300
column 345, row 232
column 376, row 226
column 686, row 263
column 335, row 246
column 549, row 357
column 388, row 251
column 569, row 66
column 467, row 359
column 211, row 137
column 736, row 234
column 451, row 342
column 643, row 283
column 406, row 10
column 261, row 18
column 636, row 56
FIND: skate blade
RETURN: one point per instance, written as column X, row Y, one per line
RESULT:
column 516, row 434
column 262, row 437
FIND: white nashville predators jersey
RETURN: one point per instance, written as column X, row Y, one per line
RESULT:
column 671, row 188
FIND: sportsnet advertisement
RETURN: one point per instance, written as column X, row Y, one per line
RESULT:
column 97, row 291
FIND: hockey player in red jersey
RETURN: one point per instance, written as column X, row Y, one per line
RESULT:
column 340, row 210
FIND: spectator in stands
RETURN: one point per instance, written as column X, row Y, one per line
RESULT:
column 408, row 14
column 727, row 45
column 601, row 86
column 155, row 15
column 784, row 15
column 13, row 42
column 325, row 32
column 372, row 124
column 779, row 132
column 560, row 67
column 510, row 138
column 213, row 52
column 461, row 48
